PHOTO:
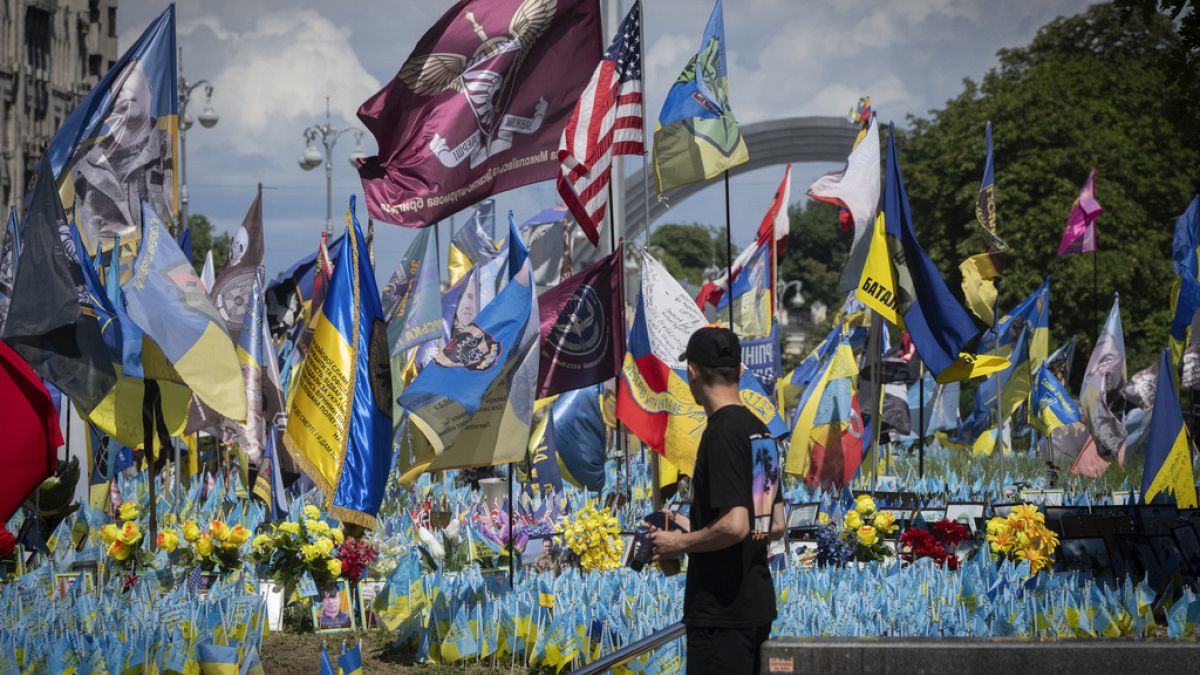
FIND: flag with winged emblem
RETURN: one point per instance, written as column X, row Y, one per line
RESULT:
column 607, row 122
column 479, row 106
column 583, row 327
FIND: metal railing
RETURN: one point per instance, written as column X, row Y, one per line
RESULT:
column 633, row 650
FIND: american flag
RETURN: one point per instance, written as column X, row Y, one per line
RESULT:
column 606, row 122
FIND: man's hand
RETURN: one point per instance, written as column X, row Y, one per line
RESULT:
column 667, row 545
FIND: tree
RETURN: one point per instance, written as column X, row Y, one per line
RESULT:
column 687, row 251
column 1087, row 92
column 1182, row 63
column 203, row 241
column 816, row 253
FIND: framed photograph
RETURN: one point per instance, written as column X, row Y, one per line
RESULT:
column 1086, row 554
column 333, row 611
column 1002, row 510
column 367, row 590
column 1189, row 547
column 803, row 514
column 932, row 515
column 536, row 549
column 1124, row 498
column 964, row 513
column 65, row 581
column 1043, row 497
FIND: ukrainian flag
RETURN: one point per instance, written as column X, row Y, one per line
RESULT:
column 351, row 661
column 697, row 136
column 217, row 659
column 119, row 413
column 1168, row 466
column 1053, row 406
column 1185, row 261
column 339, row 424
column 825, row 409
column 1032, row 312
column 165, row 298
column 153, row 58
column 902, row 284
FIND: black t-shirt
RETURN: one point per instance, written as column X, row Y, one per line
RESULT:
column 737, row 464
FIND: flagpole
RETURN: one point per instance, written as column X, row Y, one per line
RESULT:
column 512, row 563
column 1095, row 295
column 921, row 420
column 728, row 254
column 877, row 385
column 996, row 351
column 655, row 489
column 612, row 243
column 149, row 396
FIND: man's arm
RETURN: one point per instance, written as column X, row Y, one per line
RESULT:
column 732, row 527
column 778, row 526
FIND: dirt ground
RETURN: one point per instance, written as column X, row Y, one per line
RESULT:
column 291, row 653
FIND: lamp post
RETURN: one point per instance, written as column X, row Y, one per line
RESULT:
column 208, row 119
column 312, row 157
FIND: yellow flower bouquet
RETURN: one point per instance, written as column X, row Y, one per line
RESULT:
column 1023, row 535
column 593, row 536
column 864, row 528
column 123, row 539
column 293, row 548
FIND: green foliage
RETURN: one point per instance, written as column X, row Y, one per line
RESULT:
column 1087, row 92
column 1182, row 64
column 688, row 250
column 203, row 240
column 816, row 253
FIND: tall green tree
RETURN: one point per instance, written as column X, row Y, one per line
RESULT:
column 688, row 250
column 1089, row 91
column 203, row 241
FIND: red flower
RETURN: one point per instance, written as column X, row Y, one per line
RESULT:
column 8, row 543
column 355, row 555
column 949, row 533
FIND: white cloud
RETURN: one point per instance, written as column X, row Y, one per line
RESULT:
column 276, row 77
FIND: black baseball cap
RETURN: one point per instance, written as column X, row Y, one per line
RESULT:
column 714, row 347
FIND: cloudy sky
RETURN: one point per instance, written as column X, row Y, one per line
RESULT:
column 273, row 62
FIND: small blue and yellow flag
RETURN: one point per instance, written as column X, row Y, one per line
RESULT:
column 1052, row 404
column 350, row 662
column 340, row 423
column 217, row 659
column 1168, row 467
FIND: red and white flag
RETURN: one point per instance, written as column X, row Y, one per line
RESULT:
column 775, row 224
column 606, row 122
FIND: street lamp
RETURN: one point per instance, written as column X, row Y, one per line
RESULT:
column 797, row 299
column 208, row 119
column 312, row 157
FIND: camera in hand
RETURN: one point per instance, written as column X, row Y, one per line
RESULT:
column 641, row 551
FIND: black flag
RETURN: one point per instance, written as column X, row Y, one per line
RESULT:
column 51, row 319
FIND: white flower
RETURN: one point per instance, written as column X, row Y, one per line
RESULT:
column 431, row 544
column 453, row 531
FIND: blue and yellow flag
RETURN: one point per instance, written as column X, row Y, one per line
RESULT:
column 1052, row 404
column 1185, row 262
column 1168, row 453
column 350, row 662
column 577, row 435
column 827, row 409
column 473, row 402
column 217, row 659
column 1032, row 312
column 165, row 298
column 121, row 141
column 697, row 135
column 902, row 284
column 340, row 423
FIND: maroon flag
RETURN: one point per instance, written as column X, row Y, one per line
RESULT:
column 31, row 433
column 583, row 327
column 479, row 106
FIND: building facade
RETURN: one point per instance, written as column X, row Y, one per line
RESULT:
column 51, row 54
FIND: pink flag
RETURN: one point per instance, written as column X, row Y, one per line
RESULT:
column 479, row 106
column 1080, row 235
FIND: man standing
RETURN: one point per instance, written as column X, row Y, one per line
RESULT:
column 729, row 601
